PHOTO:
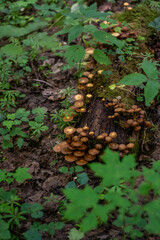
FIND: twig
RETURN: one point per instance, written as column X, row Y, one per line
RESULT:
column 38, row 80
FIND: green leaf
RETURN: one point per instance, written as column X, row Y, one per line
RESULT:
column 70, row 184
column 75, row 234
column 3, row 131
column 36, row 210
column 150, row 69
column 8, row 124
column 133, row 79
column 11, row 50
column 100, row 36
column 63, row 170
column 4, row 230
column 74, row 32
column 7, row 144
column 82, row 178
column 100, row 57
column 20, row 142
column 151, row 90
column 32, row 234
column 22, row 174
column 74, row 54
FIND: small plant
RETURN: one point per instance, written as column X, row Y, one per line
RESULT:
column 150, row 83
column 121, row 203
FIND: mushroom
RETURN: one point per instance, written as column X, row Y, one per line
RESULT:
column 89, row 157
column 113, row 135
column 79, row 130
column 69, row 130
column 78, row 97
column 75, row 138
column 79, row 153
column 98, row 146
column 135, row 123
column 91, row 133
column 78, row 104
column 90, row 76
column 83, row 80
column 89, row 50
column 113, row 146
column 100, row 137
column 82, row 147
column 137, row 128
column 89, row 85
column 148, row 124
column 82, row 87
column 76, row 144
column 129, row 122
column 68, row 118
column 83, row 134
column 134, row 107
column 84, row 139
column 122, row 147
column 85, row 128
column 86, row 74
column 117, row 110
column 89, row 96
column 108, row 139
column 81, row 162
column 100, row 72
column 125, row 4
column 57, row 148
column 82, row 110
column 130, row 145
column 115, row 34
column 71, row 158
column 66, row 151
column 93, row 151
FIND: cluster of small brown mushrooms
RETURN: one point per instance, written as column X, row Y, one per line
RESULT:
column 137, row 118
column 125, row 31
column 77, row 147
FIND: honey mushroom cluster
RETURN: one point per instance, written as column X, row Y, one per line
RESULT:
column 138, row 115
column 106, row 138
column 125, row 31
column 75, row 148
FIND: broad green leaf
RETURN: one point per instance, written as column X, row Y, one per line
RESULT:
column 82, row 178
column 74, row 32
column 22, row 174
column 101, row 57
column 8, row 124
column 36, row 210
column 3, row 131
column 155, row 23
column 133, row 79
column 11, row 50
column 70, row 184
column 74, row 54
column 150, row 69
column 6, row 144
column 75, row 234
column 20, row 142
column 100, row 36
column 63, row 170
column 4, row 230
column 32, row 234
column 151, row 90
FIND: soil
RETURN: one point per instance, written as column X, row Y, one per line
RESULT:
column 44, row 163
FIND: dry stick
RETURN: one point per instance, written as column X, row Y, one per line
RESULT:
column 38, row 80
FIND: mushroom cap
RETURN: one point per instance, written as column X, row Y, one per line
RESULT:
column 137, row 109
column 134, row 107
column 86, row 74
column 115, row 34
column 115, row 100
column 66, row 151
column 100, row 137
column 57, row 148
column 126, row 4
column 78, row 97
column 76, row 144
column 82, row 147
column 89, row 85
column 122, row 147
column 68, row 118
column 140, row 120
column 84, row 139
column 90, row 76
column 64, row 144
column 89, row 50
column 71, row 158
column 129, row 8
column 130, row 145
column 113, row 146
column 142, row 112
column 130, row 110
column 78, row 104
column 108, row 139
column 82, row 87
column 117, row 110
column 85, row 128
column 93, row 151
column 137, row 128
column 81, row 110
column 89, row 96
column 79, row 130
column 100, row 72
column 83, row 80
column 83, row 134
column 104, row 134
column 129, row 121
column 98, row 146
column 89, row 157
column 113, row 135
column 148, row 124
column 69, row 130
column 75, row 138
column 91, row 133
column 81, row 162
column 79, row 153
column 135, row 123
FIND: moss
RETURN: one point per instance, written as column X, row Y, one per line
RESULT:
column 138, row 18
